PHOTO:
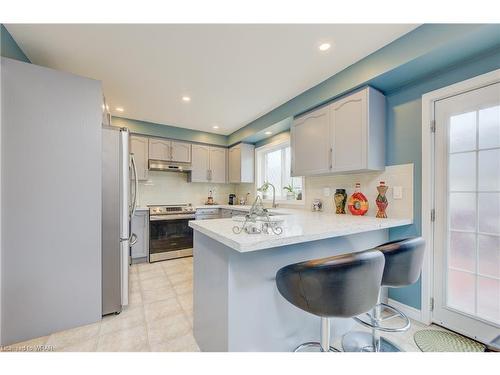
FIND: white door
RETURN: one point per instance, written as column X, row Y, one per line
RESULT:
column 349, row 132
column 200, row 163
column 310, row 143
column 467, row 203
column 217, row 165
column 181, row 152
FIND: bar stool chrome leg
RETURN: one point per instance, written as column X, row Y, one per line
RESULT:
column 324, row 345
column 356, row 341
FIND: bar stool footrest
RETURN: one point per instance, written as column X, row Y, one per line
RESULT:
column 375, row 324
column 312, row 344
column 356, row 341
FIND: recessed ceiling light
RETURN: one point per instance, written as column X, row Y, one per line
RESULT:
column 186, row 99
column 324, row 46
column 268, row 133
column 119, row 109
column 215, row 127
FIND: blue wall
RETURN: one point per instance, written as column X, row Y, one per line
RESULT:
column 404, row 141
column 9, row 47
column 167, row 131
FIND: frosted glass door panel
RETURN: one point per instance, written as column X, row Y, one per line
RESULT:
column 489, row 127
column 467, row 227
column 462, row 169
column 463, row 211
column 463, row 132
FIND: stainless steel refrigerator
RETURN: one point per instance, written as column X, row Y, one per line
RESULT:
column 118, row 206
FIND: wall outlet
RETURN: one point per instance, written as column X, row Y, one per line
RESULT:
column 326, row 192
column 397, row 192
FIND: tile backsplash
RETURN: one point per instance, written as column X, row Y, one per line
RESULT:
column 173, row 188
column 394, row 175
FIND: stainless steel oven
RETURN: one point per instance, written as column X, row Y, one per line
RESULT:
column 169, row 233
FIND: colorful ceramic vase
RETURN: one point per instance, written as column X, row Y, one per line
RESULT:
column 358, row 204
column 381, row 200
column 340, row 200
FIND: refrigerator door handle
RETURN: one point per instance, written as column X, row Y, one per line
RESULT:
column 136, row 186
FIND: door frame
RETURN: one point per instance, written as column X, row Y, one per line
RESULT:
column 428, row 101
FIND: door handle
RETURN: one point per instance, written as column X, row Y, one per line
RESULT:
column 136, row 186
column 331, row 158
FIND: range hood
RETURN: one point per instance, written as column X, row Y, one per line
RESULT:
column 168, row 166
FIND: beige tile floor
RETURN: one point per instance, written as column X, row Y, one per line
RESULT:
column 159, row 318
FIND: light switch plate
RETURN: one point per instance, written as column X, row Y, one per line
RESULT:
column 326, row 192
column 397, row 192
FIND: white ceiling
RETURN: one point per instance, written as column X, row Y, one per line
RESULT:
column 233, row 73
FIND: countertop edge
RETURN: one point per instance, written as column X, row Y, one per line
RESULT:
column 277, row 241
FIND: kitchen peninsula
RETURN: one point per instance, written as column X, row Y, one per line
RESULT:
column 237, row 306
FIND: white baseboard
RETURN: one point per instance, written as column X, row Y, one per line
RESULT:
column 410, row 312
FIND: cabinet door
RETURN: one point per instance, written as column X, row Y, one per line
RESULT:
column 200, row 163
column 225, row 213
column 160, row 149
column 349, row 132
column 181, row 152
column 139, row 147
column 140, row 227
column 234, row 165
column 217, row 165
column 310, row 143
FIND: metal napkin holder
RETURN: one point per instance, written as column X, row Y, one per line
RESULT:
column 258, row 213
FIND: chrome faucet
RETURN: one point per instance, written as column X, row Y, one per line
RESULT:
column 264, row 188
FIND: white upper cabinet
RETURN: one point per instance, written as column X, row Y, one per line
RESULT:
column 200, row 164
column 208, row 164
column 167, row 150
column 241, row 163
column 139, row 147
column 181, row 152
column 310, row 143
column 349, row 132
column 346, row 136
column 160, row 149
column 218, row 156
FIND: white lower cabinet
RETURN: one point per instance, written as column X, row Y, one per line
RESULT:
column 140, row 227
column 227, row 213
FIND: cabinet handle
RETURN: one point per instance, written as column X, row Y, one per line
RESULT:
column 331, row 158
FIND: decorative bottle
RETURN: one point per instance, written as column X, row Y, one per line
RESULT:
column 358, row 204
column 381, row 200
column 340, row 200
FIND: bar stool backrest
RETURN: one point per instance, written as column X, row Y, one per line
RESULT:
column 403, row 261
column 338, row 286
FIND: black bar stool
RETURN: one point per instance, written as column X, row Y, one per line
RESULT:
column 339, row 286
column 403, row 263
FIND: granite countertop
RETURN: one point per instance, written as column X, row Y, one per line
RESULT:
column 298, row 226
